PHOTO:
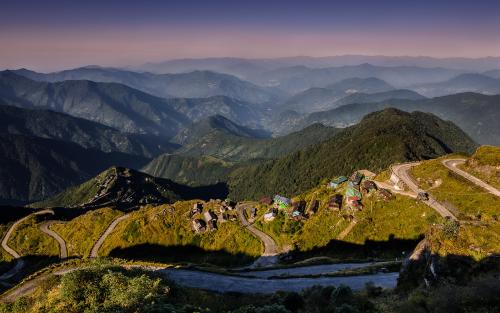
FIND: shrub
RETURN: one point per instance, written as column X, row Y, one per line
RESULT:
column 451, row 228
column 341, row 295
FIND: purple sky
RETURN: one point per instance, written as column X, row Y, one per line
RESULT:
column 55, row 34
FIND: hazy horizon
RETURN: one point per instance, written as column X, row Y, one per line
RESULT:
column 56, row 34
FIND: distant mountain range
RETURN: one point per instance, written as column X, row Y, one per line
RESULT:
column 319, row 99
column 362, row 97
column 380, row 139
column 111, row 104
column 476, row 114
column 493, row 73
column 300, row 78
column 246, row 68
column 221, row 138
column 121, row 107
column 58, row 126
column 463, row 83
column 195, row 84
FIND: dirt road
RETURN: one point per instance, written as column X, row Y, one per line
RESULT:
column 451, row 164
column 390, row 187
column 45, row 227
column 19, row 263
column 95, row 249
column 6, row 238
column 270, row 256
column 402, row 171
column 347, row 230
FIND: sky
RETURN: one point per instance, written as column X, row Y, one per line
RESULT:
column 55, row 34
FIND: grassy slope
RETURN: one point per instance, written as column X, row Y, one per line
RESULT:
column 402, row 217
column 466, row 200
column 485, row 165
column 170, row 226
column 476, row 241
column 83, row 231
column 28, row 239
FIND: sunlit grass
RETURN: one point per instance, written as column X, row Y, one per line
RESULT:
column 28, row 239
column 83, row 231
column 465, row 199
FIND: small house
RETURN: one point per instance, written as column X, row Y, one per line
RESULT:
column 199, row 226
column 354, row 203
column 353, row 192
column 353, row 186
column 335, row 202
column 337, row 181
column 223, row 217
column 298, row 209
column 368, row 185
column 229, row 204
column 197, row 208
column 385, row 194
column 313, row 207
column 356, row 178
column 266, row 201
column 209, row 216
column 281, row 202
column 270, row 215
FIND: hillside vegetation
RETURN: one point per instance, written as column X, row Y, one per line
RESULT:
column 124, row 188
column 474, row 113
column 34, row 168
column 87, row 134
column 83, row 231
column 165, row 233
column 477, row 236
column 222, row 139
column 485, row 165
column 28, row 239
column 380, row 139
column 193, row 171
column 464, row 199
column 384, row 221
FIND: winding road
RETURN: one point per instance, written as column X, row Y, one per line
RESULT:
column 402, row 171
column 20, row 262
column 394, row 190
column 6, row 238
column 94, row 253
column 45, row 227
column 451, row 164
column 270, row 255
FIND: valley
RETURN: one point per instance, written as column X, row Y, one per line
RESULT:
column 258, row 186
